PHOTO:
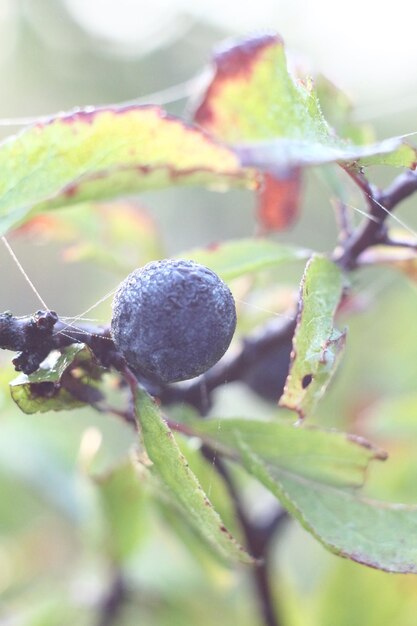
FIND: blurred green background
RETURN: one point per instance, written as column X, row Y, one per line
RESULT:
column 61, row 544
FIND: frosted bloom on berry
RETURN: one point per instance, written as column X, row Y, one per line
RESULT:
column 173, row 319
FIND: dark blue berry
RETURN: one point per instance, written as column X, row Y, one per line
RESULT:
column 173, row 319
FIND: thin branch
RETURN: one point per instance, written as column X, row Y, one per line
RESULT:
column 359, row 179
column 113, row 601
column 34, row 337
column 198, row 392
column 126, row 416
column 401, row 188
column 373, row 231
column 256, row 547
column 400, row 243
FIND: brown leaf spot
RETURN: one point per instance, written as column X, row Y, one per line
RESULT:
column 212, row 247
column 44, row 226
column 233, row 60
column 238, row 57
column 278, row 201
column 71, row 190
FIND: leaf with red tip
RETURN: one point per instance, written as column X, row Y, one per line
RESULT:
column 274, row 120
column 253, row 97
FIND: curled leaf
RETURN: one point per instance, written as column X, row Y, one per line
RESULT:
column 53, row 388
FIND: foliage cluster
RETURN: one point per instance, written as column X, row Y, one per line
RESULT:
column 258, row 126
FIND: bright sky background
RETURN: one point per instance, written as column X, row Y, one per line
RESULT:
column 368, row 47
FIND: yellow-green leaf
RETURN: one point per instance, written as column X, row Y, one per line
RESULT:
column 232, row 259
column 43, row 391
column 316, row 475
column 329, row 457
column 123, row 501
column 95, row 154
column 274, row 119
column 317, row 345
column 171, row 467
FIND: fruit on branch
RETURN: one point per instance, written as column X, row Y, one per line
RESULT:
column 267, row 375
column 172, row 320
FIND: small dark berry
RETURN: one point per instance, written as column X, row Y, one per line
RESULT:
column 173, row 319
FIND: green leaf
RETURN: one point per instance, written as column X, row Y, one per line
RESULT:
column 26, row 457
column 253, row 97
column 44, row 390
column 377, row 534
column 393, row 418
column 94, row 154
column 364, row 597
column 328, row 457
column 338, row 110
column 236, row 258
column 273, row 155
column 275, row 121
column 317, row 345
column 123, row 503
column 117, row 235
column 211, row 482
column 392, row 421
column 172, row 469
column 400, row 155
column 314, row 474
